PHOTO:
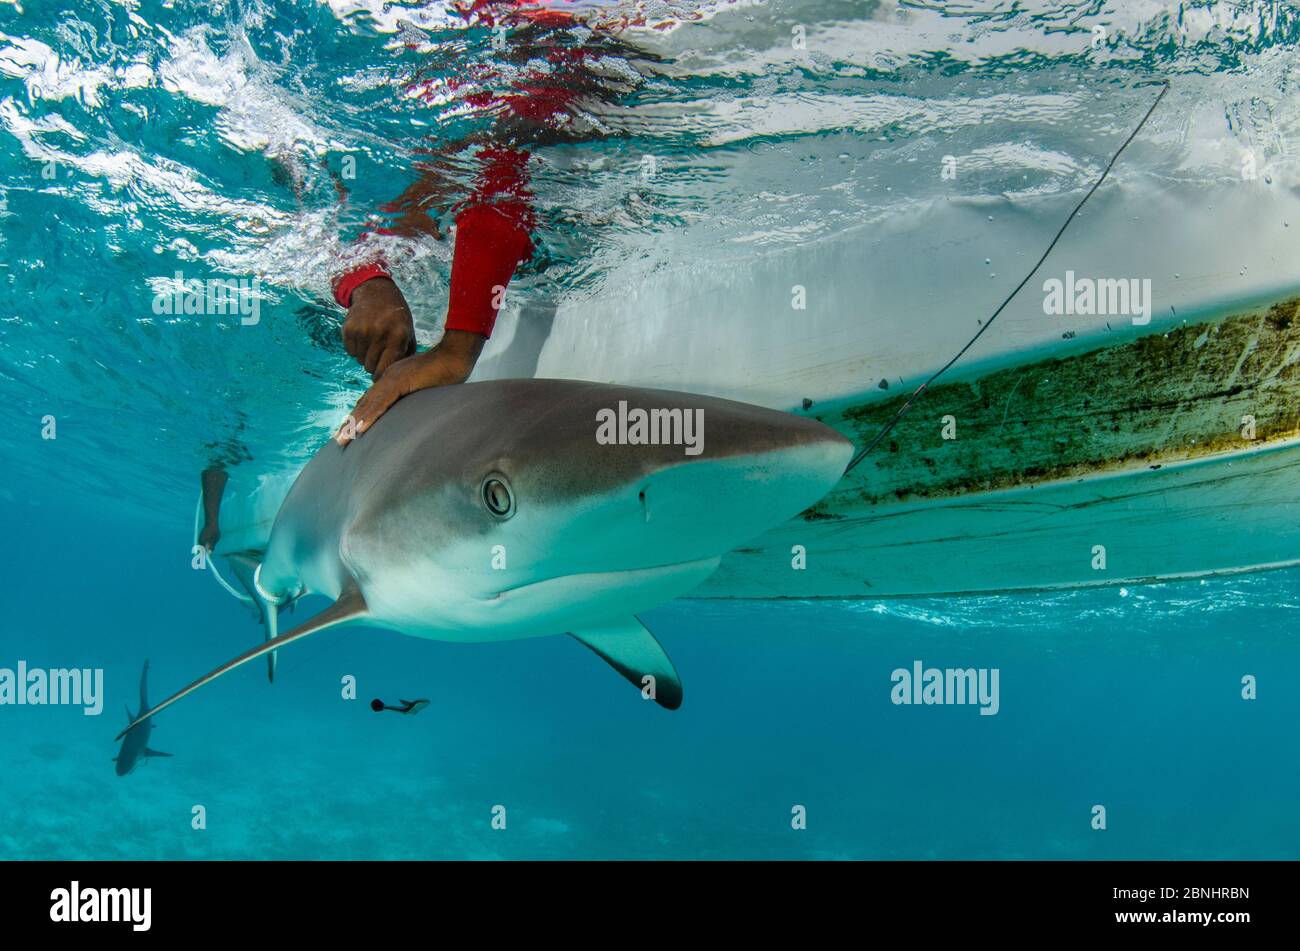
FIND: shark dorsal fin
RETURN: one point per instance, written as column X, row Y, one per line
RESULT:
column 349, row 607
column 630, row 648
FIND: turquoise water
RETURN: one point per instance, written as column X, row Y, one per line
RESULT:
column 139, row 139
column 1129, row 700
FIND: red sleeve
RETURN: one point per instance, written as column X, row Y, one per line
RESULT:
column 491, row 241
column 349, row 281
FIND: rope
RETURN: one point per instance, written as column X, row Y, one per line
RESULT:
column 862, row 454
column 211, row 557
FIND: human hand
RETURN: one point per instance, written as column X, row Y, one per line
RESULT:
column 210, row 535
column 451, row 361
column 379, row 330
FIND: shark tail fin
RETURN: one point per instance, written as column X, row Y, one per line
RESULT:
column 245, row 565
column 630, row 648
column 349, row 607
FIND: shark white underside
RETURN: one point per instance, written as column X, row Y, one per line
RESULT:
column 556, row 605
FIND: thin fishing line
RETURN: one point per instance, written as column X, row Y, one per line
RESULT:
column 862, row 454
column 211, row 557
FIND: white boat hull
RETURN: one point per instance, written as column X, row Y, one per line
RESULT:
column 1071, row 432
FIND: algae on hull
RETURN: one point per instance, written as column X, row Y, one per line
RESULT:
column 1169, row 396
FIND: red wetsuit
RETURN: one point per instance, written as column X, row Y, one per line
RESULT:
column 494, row 224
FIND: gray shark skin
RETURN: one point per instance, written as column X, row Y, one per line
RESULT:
column 135, row 739
column 490, row 511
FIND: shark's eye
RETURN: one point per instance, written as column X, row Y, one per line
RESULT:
column 497, row 496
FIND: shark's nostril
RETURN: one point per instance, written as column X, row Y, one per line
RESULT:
column 645, row 508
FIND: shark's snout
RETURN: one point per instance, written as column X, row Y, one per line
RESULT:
column 649, row 504
column 634, row 479
column 740, row 489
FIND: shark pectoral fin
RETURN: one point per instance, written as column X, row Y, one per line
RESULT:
column 129, row 715
column 148, row 752
column 244, row 565
column 632, row 650
column 349, row 607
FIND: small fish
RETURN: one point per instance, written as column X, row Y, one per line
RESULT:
column 403, row 706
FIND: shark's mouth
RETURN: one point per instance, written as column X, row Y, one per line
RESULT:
column 610, row 580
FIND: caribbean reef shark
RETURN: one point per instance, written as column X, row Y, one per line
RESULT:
column 135, row 746
column 492, row 511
